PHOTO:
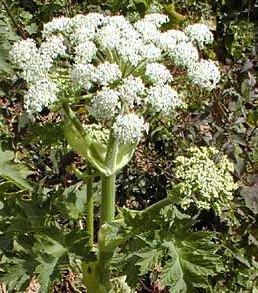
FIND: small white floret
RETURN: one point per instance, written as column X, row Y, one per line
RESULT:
column 131, row 90
column 105, row 104
column 85, row 52
column 107, row 73
column 157, row 19
column 163, row 99
column 129, row 128
column 57, row 24
column 40, row 94
column 53, row 47
column 199, row 33
column 158, row 73
column 83, row 74
column 205, row 74
column 184, row 54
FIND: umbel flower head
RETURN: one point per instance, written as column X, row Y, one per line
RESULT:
column 123, row 66
column 205, row 179
column 200, row 33
column 128, row 128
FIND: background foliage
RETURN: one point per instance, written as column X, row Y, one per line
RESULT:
column 41, row 226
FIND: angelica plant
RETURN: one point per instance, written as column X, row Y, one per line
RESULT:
column 121, row 72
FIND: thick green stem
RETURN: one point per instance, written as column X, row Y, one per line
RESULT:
column 89, row 211
column 107, row 215
column 108, row 195
column 108, row 184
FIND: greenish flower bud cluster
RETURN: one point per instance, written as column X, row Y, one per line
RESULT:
column 97, row 132
column 205, row 179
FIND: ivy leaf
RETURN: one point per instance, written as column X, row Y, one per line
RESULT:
column 15, row 173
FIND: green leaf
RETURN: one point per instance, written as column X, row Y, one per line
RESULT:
column 149, row 258
column 18, row 272
column 172, row 275
column 250, row 194
column 76, row 200
column 112, row 234
column 14, row 172
column 124, row 155
column 187, row 258
column 192, row 261
column 48, row 271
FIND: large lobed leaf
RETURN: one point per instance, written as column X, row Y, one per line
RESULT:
column 13, row 172
column 187, row 257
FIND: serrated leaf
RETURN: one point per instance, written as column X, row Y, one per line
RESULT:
column 48, row 271
column 193, row 259
column 149, row 258
column 18, row 272
column 16, row 173
column 76, row 200
column 188, row 258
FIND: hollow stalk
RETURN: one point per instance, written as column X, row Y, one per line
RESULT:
column 90, row 211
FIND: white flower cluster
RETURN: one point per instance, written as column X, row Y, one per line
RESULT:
column 147, row 30
column 205, row 179
column 77, row 29
column 105, row 104
column 184, row 54
column 36, row 63
column 41, row 94
column 157, row 19
column 85, row 52
column 53, row 47
column 158, row 73
column 169, row 39
column 121, row 64
column 163, row 99
column 199, row 33
column 205, row 74
column 58, row 24
column 27, row 56
column 131, row 90
column 83, row 74
column 86, row 74
column 128, row 128
column 150, row 52
column 107, row 73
